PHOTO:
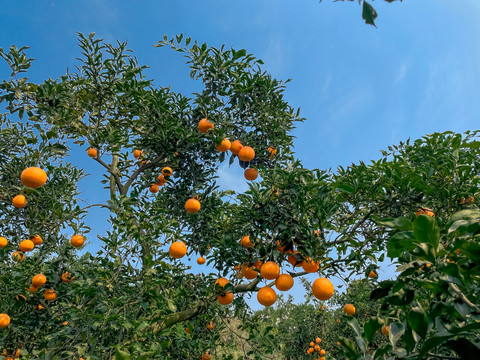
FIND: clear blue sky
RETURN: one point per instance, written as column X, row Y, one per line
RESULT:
column 360, row 88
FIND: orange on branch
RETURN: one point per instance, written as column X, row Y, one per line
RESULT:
column 19, row 201
column 372, row 274
column 349, row 309
column 153, row 188
column 224, row 145
column 322, row 289
column 192, row 205
column 77, row 240
column 26, row 245
column 178, row 249
column 318, row 340
column 385, row 330
column 284, row 282
column 201, row 260
column 4, row 321
column 309, row 265
column 225, row 298
column 245, row 242
column 270, row 270
column 18, row 256
column 37, row 240
column 39, row 280
column 248, row 272
column 425, row 211
column 167, row 171
column 92, row 152
column 50, row 295
column 67, row 277
column 250, row 174
column 246, row 153
column 236, row 147
column 33, row 177
column 204, row 125
column 137, row 153
column 3, row 242
column 266, row 296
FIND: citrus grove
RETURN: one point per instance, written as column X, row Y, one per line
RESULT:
column 159, row 152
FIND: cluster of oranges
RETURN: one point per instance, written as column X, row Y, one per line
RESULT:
column 33, row 177
column 315, row 348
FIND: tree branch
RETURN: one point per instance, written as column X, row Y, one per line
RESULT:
column 462, row 296
column 354, row 228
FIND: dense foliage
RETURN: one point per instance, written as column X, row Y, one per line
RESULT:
column 132, row 300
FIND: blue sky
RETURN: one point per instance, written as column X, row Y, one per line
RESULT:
column 360, row 88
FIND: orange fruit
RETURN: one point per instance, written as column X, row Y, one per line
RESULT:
column 161, row 180
column 317, row 348
column 236, row 147
column 246, row 153
column 248, row 272
column 245, row 242
column 293, row 260
column 318, row 340
column 322, row 352
column 349, row 309
column 50, row 295
column 39, row 280
column 322, row 289
column 225, row 298
column 67, row 277
column 284, row 282
column 3, row 242
column 154, row 188
column 338, row 343
column 272, row 151
column 309, row 265
column 204, row 125
column 177, row 250
column 92, row 152
column 201, row 260
column 270, row 270
column 372, row 274
column 19, row 201
column 385, row 330
column 4, row 321
column 310, row 350
column 26, row 245
column 457, row 251
column 137, row 153
column 65, row 323
column 192, row 205
column 18, row 256
column 221, row 282
column 37, row 240
column 167, row 171
column 210, row 326
column 187, row 330
column 224, row 145
column 77, row 241
column 266, row 296
column 322, row 358
column 312, row 344
column 251, row 174
column 425, row 211
column 33, row 177
column 258, row 264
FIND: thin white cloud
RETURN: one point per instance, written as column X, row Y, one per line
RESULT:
column 402, row 71
column 231, row 178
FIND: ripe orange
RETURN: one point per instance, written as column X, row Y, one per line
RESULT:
column 293, row 260
column 425, row 211
column 187, row 330
column 312, row 344
column 161, row 180
column 322, row 358
column 154, row 188
column 322, row 289
column 77, row 241
column 266, row 296
column 201, row 260
column 372, row 274
column 225, row 298
column 385, row 330
column 338, row 343
column 137, row 153
column 37, row 240
column 318, row 340
column 192, row 205
column 270, row 270
column 251, row 174
column 210, row 326
column 18, row 256
column 245, row 242
column 50, row 295
column 246, row 153
column 26, row 245
column 317, row 348
column 248, row 272
column 272, row 151
column 32, row 289
column 322, row 352
column 221, row 282
column 224, row 145
column 258, row 264
column 167, row 171
column 206, row 356
column 33, row 177
column 4, row 321
column 19, row 201
column 236, row 147
column 204, row 125
column 284, row 282
column 65, row 323
column 310, row 350
column 349, row 309
column 92, row 152
column 3, row 242
column 309, row 265
column 39, row 280
column 67, row 277
column 178, row 249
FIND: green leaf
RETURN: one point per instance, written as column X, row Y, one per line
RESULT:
column 399, row 223
column 371, row 327
column 121, row 355
column 345, row 188
column 426, row 230
column 396, row 332
column 419, row 321
column 369, row 14
column 400, row 242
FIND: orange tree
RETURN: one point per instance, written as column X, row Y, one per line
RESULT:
column 160, row 152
